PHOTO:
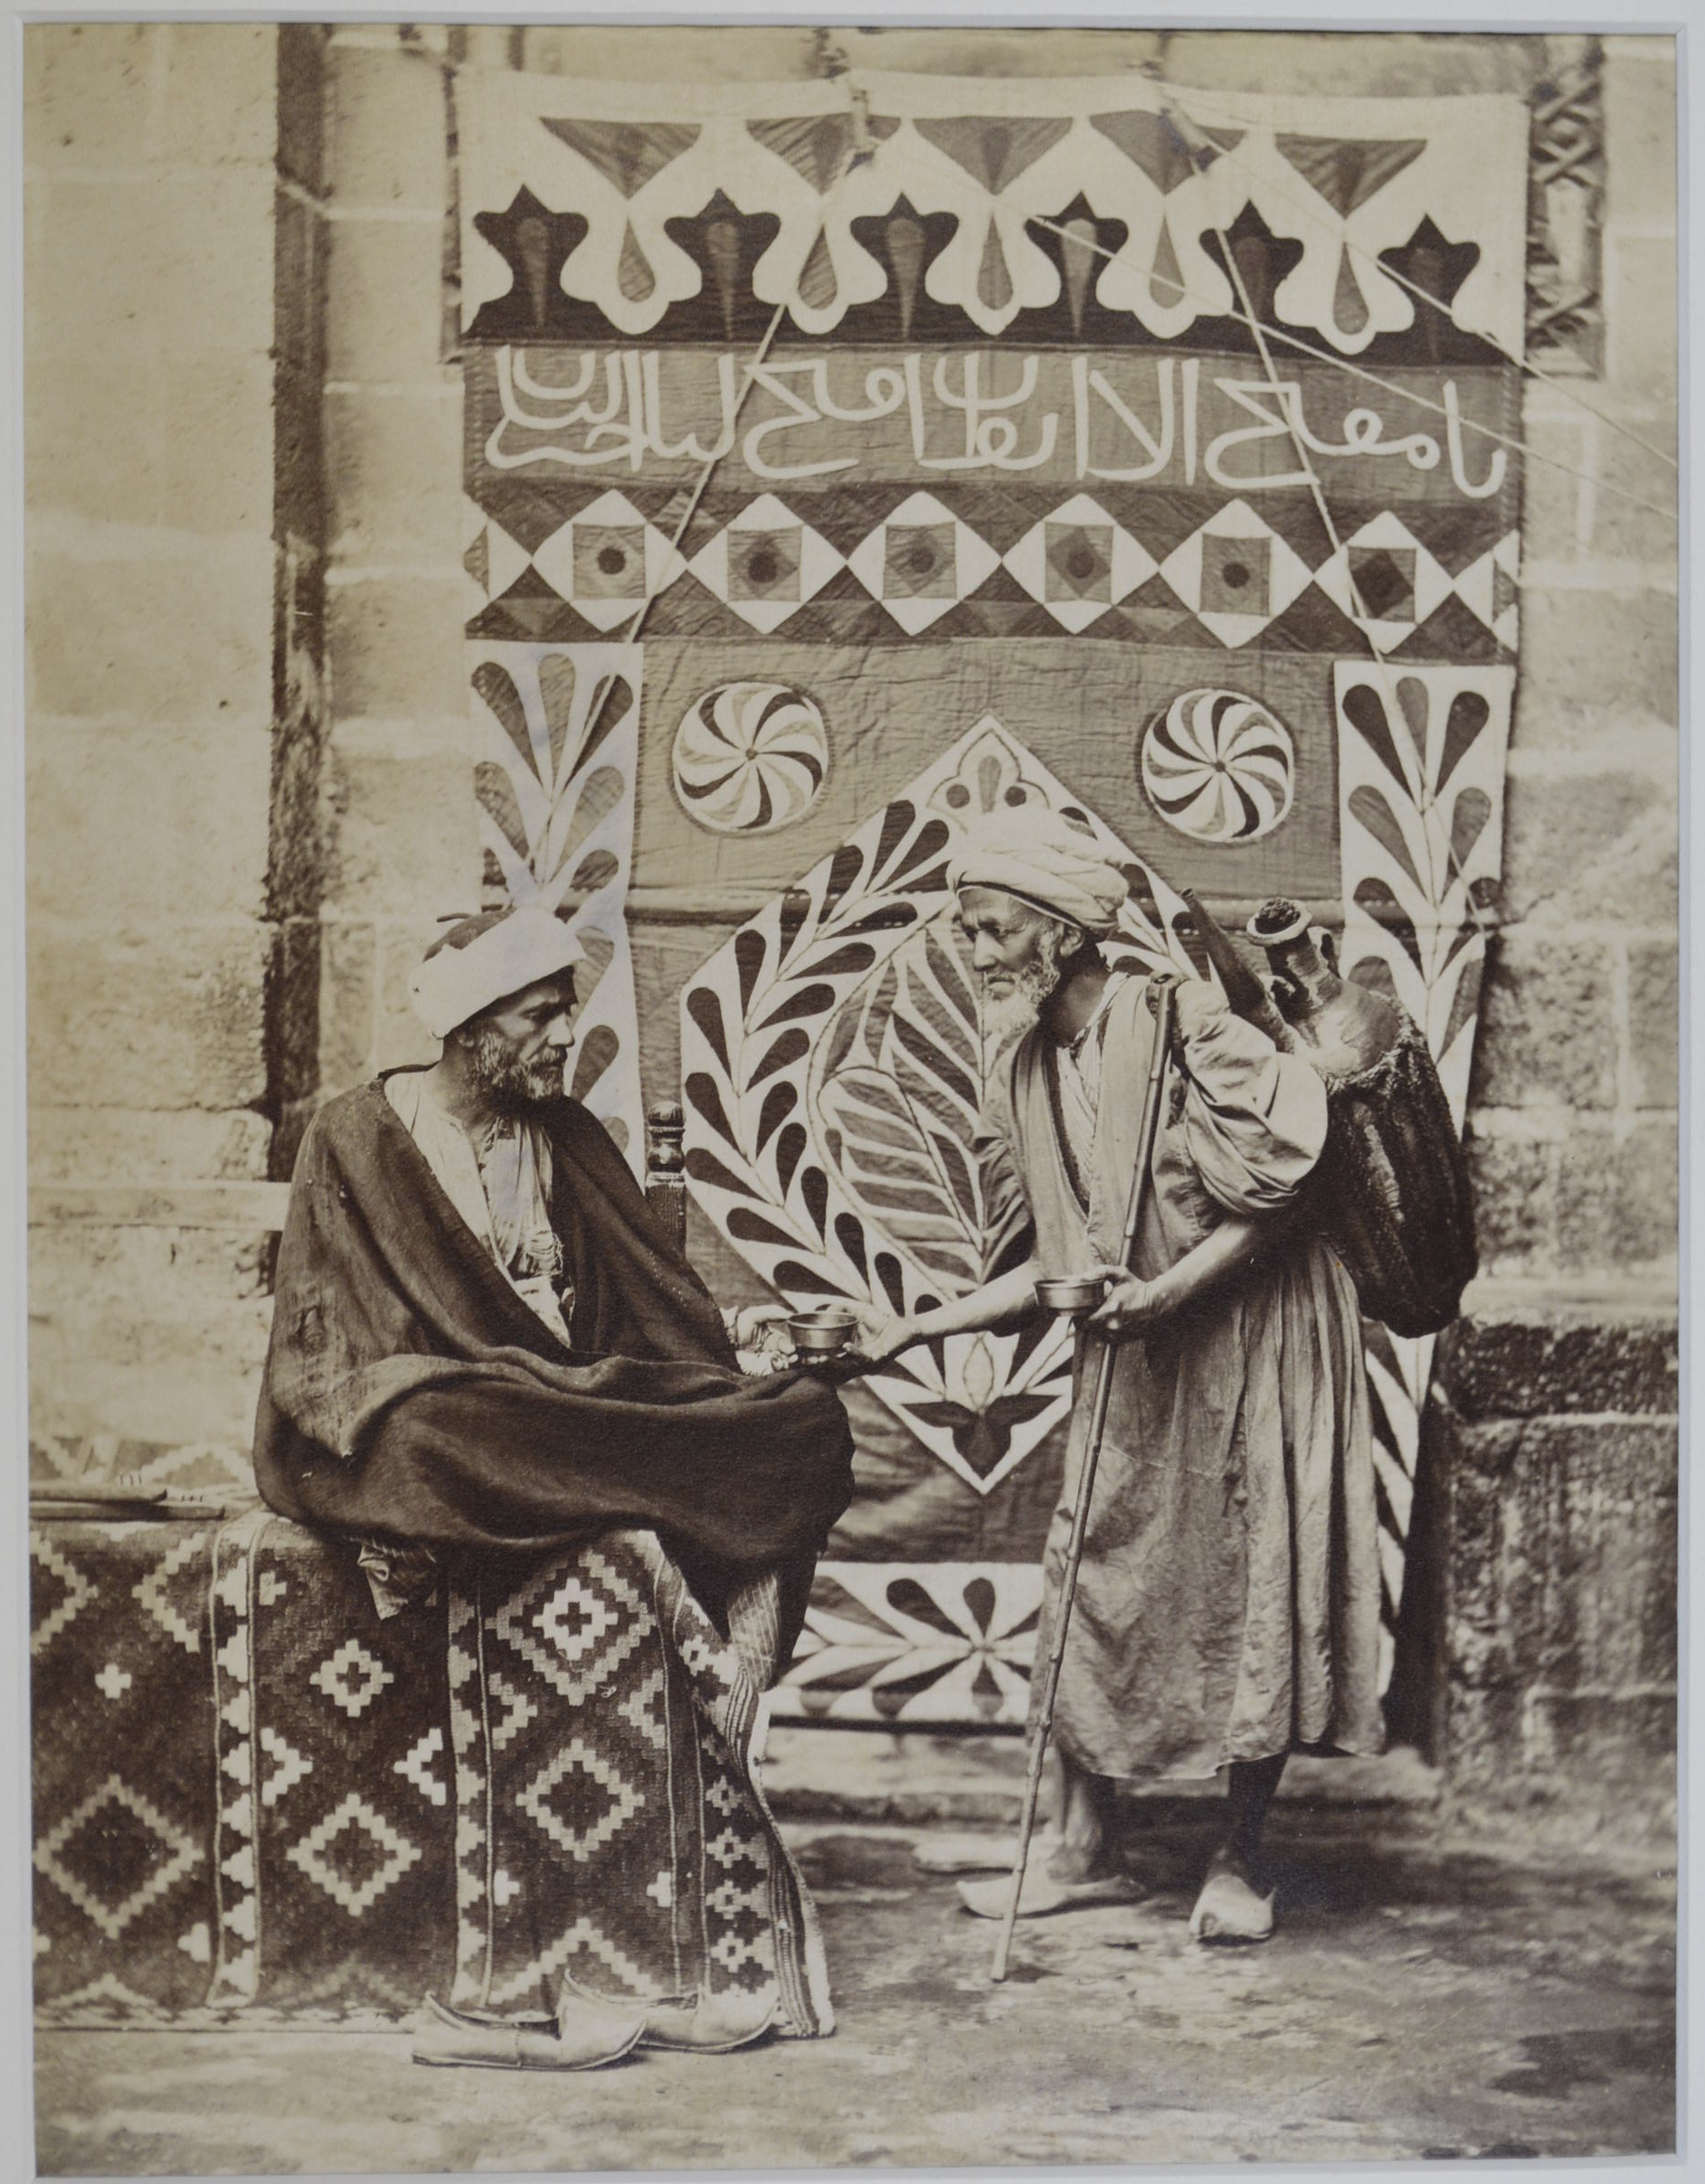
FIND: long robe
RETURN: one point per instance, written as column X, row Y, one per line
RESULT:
column 1228, row 1600
column 409, row 1391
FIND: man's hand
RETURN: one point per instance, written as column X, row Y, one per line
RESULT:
column 762, row 1327
column 1129, row 1305
column 882, row 1335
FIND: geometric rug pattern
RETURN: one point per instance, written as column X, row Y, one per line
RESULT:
column 254, row 1798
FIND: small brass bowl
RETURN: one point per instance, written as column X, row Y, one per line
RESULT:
column 823, row 1331
column 1072, row 1293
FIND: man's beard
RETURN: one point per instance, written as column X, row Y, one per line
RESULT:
column 1034, row 984
column 507, row 1080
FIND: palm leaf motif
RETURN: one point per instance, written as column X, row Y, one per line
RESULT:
column 901, row 1126
column 548, row 810
column 1421, row 761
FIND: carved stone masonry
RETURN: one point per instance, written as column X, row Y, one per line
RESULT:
column 1566, row 195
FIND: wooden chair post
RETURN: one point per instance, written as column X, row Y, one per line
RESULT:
column 666, row 1168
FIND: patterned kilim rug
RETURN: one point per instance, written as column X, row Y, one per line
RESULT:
column 254, row 1798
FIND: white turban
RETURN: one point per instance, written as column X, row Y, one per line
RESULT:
column 484, row 959
column 1045, row 860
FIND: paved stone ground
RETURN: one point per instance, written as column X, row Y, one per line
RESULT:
column 1424, row 1997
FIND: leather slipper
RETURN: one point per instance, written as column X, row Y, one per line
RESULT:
column 1042, row 1894
column 708, row 2024
column 1228, row 1910
column 447, row 2038
column 973, row 1853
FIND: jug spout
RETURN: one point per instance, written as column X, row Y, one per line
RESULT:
column 1347, row 1027
column 1246, row 995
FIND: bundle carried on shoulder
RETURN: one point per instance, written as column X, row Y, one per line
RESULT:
column 1393, row 1192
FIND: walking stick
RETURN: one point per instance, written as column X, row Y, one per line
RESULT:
column 1162, row 985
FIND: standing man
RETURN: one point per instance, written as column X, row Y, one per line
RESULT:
column 1227, row 1609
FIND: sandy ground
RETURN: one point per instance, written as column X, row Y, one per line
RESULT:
column 1422, row 1997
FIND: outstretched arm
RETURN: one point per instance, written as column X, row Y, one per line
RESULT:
column 1009, row 1296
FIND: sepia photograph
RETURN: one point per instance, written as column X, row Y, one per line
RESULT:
column 852, row 921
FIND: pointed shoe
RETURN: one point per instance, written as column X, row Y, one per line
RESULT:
column 447, row 2038
column 709, row 2024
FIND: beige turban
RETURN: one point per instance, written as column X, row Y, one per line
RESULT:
column 1045, row 860
column 484, row 959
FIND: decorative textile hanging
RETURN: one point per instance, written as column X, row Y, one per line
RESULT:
column 1009, row 508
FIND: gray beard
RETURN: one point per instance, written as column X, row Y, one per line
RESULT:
column 1006, row 1016
column 508, row 1082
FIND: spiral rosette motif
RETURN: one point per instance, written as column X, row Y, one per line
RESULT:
column 1219, row 767
column 751, row 758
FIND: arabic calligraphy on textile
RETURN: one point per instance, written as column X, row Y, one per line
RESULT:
column 1119, row 420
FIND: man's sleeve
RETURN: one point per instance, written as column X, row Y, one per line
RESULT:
column 1253, row 1118
column 1008, row 1229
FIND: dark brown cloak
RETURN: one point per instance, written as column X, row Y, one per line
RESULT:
column 409, row 1391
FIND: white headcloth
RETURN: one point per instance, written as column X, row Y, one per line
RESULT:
column 484, row 959
column 1045, row 860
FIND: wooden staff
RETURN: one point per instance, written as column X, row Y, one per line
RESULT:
column 1162, row 988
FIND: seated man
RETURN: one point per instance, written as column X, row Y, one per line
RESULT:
column 1227, row 1609
column 484, row 1344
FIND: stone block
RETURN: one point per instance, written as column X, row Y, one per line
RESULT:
column 685, row 53
column 171, row 1380
column 395, row 646
column 1655, row 1023
column 402, row 832
column 179, row 814
column 1640, row 139
column 401, row 1040
column 1329, row 64
column 220, row 98
column 394, row 476
column 166, row 637
column 1630, row 474
column 387, row 133
column 166, row 1017
column 1552, row 486
column 1641, row 331
column 88, row 90
column 1561, row 1554
column 71, row 465
column 346, row 1004
column 385, row 301
column 1560, row 827
column 302, row 104
column 1587, row 655
column 1514, row 1185
column 182, row 258
column 1546, row 1025
column 126, row 1146
column 1541, row 1362
column 1626, row 1739
column 1597, row 1533
column 1617, row 1205
column 173, row 1272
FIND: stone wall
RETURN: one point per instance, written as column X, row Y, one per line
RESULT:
column 149, row 157
column 272, row 797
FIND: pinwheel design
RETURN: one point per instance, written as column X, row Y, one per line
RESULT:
column 1219, row 767
column 751, row 758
